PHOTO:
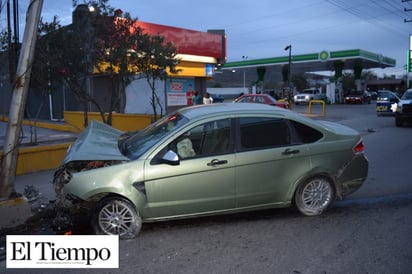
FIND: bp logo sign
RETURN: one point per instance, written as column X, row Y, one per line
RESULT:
column 324, row 55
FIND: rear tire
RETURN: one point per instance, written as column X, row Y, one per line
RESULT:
column 314, row 196
column 116, row 216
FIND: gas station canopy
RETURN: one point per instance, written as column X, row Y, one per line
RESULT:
column 322, row 61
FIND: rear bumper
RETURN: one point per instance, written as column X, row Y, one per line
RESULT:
column 349, row 187
column 353, row 175
column 385, row 108
column 353, row 101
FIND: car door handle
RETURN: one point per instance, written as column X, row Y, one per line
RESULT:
column 289, row 151
column 216, row 162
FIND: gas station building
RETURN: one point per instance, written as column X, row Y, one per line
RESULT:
column 334, row 62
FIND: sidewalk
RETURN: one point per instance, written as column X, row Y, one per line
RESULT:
column 37, row 135
column 41, row 147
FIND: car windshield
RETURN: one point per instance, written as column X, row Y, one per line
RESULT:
column 134, row 146
column 407, row 95
column 271, row 99
column 382, row 95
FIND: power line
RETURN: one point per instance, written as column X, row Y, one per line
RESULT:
column 366, row 14
column 406, row 10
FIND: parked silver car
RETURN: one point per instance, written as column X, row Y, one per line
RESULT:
column 210, row 159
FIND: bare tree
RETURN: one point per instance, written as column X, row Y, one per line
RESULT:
column 123, row 50
column 153, row 58
column 62, row 55
column 109, row 43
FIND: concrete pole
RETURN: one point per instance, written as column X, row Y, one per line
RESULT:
column 18, row 101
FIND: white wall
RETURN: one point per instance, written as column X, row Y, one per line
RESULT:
column 330, row 92
column 138, row 97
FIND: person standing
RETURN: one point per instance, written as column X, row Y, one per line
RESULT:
column 197, row 99
column 189, row 95
column 207, row 99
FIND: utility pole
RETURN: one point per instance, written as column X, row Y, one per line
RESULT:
column 18, row 101
column 408, row 65
column 289, row 48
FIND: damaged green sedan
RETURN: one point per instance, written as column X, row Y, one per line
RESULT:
column 207, row 160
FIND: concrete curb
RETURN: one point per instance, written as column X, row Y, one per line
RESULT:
column 40, row 157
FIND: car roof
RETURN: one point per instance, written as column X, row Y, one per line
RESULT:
column 406, row 94
column 204, row 111
column 255, row 95
column 211, row 111
column 380, row 92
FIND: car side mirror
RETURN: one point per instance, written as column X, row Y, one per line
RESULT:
column 169, row 158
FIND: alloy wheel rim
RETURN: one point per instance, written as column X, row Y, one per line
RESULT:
column 317, row 195
column 116, row 219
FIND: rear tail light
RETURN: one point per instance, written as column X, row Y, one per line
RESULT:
column 359, row 147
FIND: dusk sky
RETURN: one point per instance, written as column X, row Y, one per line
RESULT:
column 262, row 28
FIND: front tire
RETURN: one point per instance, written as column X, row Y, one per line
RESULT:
column 117, row 216
column 314, row 196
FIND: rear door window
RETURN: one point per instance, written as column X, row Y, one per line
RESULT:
column 305, row 134
column 263, row 132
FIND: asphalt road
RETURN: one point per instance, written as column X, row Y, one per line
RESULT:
column 368, row 232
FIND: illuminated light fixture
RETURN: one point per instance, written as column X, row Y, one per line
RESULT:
column 196, row 58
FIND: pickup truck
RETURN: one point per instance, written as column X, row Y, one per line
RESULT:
column 404, row 109
column 308, row 94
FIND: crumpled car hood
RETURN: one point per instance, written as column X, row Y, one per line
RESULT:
column 97, row 142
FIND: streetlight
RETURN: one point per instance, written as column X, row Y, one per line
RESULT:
column 289, row 47
column 244, row 57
